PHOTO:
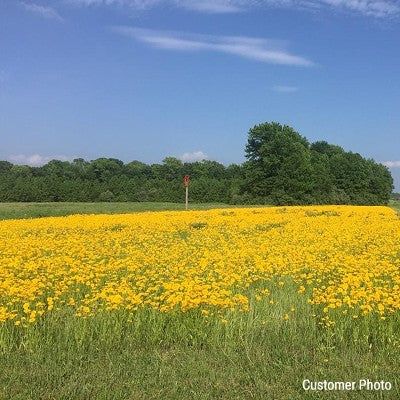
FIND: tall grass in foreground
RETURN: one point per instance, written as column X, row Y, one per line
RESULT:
column 264, row 353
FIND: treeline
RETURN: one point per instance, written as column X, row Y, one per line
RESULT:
column 109, row 179
column 281, row 168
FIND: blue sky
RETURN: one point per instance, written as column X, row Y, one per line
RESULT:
column 145, row 79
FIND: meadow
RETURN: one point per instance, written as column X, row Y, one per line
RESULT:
column 233, row 303
column 395, row 204
column 39, row 210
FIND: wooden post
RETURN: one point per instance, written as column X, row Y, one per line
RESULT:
column 187, row 197
column 186, row 182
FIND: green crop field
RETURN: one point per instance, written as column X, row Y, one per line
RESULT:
column 37, row 210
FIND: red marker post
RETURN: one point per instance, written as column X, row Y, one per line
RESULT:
column 186, row 182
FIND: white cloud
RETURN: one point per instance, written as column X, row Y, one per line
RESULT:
column 285, row 89
column 263, row 50
column 36, row 159
column 375, row 8
column 139, row 4
column 194, row 156
column 392, row 164
column 43, row 11
column 212, row 6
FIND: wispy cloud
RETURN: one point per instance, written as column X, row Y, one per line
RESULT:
column 208, row 6
column 35, row 160
column 392, row 164
column 212, row 6
column 42, row 11
column 285, row 89
column 269, row 51
column 375, row 8
column 193, row 156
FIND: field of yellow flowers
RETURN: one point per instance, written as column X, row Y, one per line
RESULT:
column 345, row 260
column 240, row 303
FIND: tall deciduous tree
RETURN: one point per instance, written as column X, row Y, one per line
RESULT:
column 279, row 163
column 282, row 168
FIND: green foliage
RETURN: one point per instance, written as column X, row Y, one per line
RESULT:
column 108, row 179
column 108, row 195
column 282, row 168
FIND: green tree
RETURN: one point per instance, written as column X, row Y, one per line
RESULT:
column 171, row 169
column 103, row 169
column 5, row 167
column 279, row 164
column 138, row 169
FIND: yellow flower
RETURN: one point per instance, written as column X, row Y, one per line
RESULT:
column 172, row 261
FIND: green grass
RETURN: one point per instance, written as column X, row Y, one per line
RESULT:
column 395, row 204
column 37, row 210
column 255, row 355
